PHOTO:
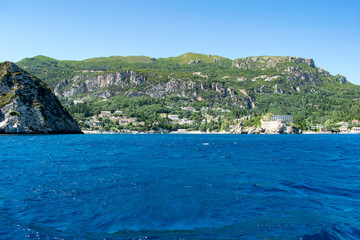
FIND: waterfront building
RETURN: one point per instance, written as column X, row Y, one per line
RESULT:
column 344, row 129
column 355, row 130
column 317, row 127
column 282, row 118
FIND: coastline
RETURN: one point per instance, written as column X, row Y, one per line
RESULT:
column 200, row 132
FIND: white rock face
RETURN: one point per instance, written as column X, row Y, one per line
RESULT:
column 132, row 83
column 27, row 105
column 276, row 127
column 267, row 127
column 83, row 83
column 269, row 61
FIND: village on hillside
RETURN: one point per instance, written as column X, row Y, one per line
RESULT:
column 211, row 120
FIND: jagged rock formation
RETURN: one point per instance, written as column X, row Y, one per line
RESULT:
column 340, row 78
column 250, row 130
column 275, row 128
column 133, row 83
column 248, row 83
column 84, row 83
column 192, row 62
column 287, row 75
column 27, row 105
column 269, row 62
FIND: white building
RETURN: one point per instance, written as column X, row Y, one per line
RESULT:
column 282, row 118
column 126, row 121
column 173, row 117
column 188, row 108
column 344, row 129
column 355, row 130
column 319, row 127
column 186, row 121
column 343, row 123
column 105, row 114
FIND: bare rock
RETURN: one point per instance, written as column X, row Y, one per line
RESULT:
column 27, row 105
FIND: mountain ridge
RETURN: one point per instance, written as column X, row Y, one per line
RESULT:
column 252, row 86
column 188, row 55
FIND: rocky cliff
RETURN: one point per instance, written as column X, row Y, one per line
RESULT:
column 261, row 83
column 269, row 62
column 27, row 105
column 275, row 128
column 257, row 75
column 85, row 83
column 132, row 83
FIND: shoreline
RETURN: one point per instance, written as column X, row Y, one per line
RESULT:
column 199, row 132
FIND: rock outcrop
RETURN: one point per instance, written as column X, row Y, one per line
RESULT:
column 27, row 105
column 269, row 62
column 133, row 83
column 340, row 78
column 192, row 62
column 277, row 127
column 294, row 72
column 274, row 128
column 84, row 83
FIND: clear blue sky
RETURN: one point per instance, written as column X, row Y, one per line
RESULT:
column 327, row 31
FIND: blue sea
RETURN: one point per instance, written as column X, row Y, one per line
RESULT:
column 180, row 187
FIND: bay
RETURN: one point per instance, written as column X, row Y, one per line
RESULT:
column 180, row 187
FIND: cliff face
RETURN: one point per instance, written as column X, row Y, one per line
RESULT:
column 244, row 82
column 27, row 105
column 133, row 83
column 290, row 74
column 83, row 83
column 274, row 128
column 248, row 77
column 269, row 62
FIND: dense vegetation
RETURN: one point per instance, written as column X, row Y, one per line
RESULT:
column 274, row 84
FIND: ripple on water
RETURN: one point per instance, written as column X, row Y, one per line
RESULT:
column 179, row 187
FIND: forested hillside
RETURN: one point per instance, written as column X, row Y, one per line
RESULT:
column 209, row 92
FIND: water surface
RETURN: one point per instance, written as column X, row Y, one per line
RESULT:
column 180, row 187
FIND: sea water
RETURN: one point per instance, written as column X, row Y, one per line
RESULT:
column 180, row 187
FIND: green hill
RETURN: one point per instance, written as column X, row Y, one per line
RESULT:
column 246, row 86
column 193, row 58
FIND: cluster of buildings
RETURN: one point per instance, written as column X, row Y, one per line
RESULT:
column 344, row 127
column 269, row 122
column 96, row 121
column 175, row 119
column 118, row 117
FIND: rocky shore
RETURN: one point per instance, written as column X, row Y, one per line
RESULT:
column 28, row 105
